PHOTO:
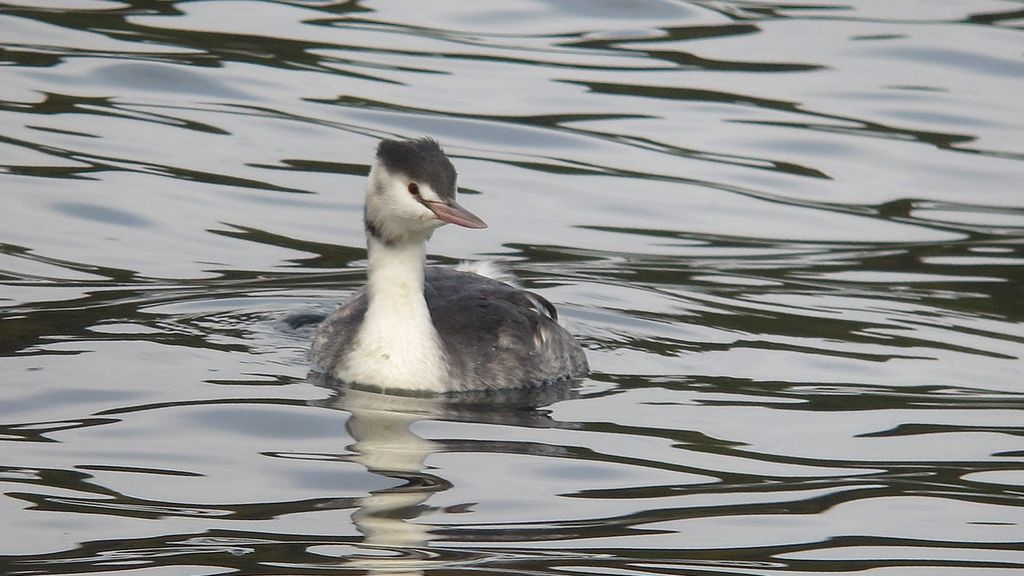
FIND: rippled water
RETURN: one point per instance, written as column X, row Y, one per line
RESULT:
column 790, row 236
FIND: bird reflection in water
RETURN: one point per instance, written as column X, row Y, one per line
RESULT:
column 380, row 423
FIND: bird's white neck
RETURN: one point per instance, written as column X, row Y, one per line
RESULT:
column 395, row 271
column 397, row 345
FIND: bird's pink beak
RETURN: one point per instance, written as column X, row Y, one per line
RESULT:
column 455, row 214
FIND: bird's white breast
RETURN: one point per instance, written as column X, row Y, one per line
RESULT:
column 397, row 345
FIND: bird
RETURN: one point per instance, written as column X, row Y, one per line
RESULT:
column 415, row 328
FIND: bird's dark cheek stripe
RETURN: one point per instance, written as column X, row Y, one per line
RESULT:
column 373, row 230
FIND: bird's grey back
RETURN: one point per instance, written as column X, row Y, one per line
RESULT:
column 494, row 335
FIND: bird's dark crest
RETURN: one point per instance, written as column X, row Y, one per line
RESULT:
column 422, row 160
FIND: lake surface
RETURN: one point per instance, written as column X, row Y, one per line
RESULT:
column 790, row 237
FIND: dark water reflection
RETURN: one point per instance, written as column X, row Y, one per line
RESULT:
column 791, row 237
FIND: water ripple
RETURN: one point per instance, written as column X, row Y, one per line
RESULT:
column 790, row 237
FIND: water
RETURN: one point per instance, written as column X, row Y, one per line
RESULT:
column 790, row 236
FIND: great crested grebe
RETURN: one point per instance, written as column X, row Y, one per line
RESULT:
column 435, row 329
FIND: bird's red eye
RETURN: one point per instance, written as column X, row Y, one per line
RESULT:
column 414, row 189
